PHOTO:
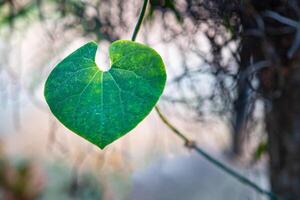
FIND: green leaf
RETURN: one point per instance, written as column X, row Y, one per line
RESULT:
column 260, row 150
column 102, row 106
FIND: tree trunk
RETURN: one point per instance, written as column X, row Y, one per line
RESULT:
column 283, row 127
column 280, row 83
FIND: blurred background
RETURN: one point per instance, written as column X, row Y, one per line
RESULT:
column 232, row 87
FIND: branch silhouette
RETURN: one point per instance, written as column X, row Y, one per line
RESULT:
column 190, row 144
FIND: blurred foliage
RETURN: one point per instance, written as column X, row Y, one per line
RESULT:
column 21, row 179
column 18, row 180
column 261, row 149
column 82, row 15
column 90, row 17
column 164, row 6
column 24, row 179
column 10, row 12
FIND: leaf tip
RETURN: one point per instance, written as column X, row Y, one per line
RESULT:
column 102, row 146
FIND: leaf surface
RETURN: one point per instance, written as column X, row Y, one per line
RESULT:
column 102, row 106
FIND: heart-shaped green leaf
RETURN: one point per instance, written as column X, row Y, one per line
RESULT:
column 102, row 106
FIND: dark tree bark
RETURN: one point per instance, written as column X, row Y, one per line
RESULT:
column 280, row 85
column 283, row 127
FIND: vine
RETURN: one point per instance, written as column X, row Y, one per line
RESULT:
column 192, row 144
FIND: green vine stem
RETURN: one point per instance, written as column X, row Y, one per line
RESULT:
column 192, row 144
column 140, row 20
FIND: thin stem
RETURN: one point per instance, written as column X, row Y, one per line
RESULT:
column 175, row 130
column 140, row 20
column 192, row 145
